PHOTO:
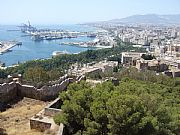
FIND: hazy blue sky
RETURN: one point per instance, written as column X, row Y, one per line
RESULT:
column 77, row 11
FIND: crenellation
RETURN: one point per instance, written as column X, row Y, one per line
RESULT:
column 8, row 91
column 13, row 90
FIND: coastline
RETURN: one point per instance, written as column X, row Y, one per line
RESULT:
column 31, row 50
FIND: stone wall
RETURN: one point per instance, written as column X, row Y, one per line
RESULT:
column 45, row 93
column 61, row 128
column 40, row 125
column 172, row 73
column 53, row 108
column 44, row 119
column 28, row 91
column 168, row 73
column 9, row 91
column 52, row 111
column 176, row 74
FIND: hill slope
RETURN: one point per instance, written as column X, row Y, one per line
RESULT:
column 150, row 18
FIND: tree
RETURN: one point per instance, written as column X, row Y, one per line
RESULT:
column 36, row 74
column 127, row 116
column 134, row 107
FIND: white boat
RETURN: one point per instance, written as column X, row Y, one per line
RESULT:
column 57, row 53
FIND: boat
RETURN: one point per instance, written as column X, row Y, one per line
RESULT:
column 37, row 38
column 53, row 38
column 57, row 53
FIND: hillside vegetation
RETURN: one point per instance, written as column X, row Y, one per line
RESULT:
column 135, row 107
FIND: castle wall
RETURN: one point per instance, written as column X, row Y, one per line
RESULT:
column 176, row 74
column 10, row 91
column 45, row 93
column 28, row 91
column 51, row 92
column 40, row 125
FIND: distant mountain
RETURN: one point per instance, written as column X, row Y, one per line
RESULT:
column 150, row 19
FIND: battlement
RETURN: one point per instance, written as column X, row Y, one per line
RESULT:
column 13, row 90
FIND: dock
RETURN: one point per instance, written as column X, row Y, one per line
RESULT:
column 59, row 34
column 5, row 46
column 56, row 34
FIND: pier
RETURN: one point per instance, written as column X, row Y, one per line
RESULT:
column 5, row 46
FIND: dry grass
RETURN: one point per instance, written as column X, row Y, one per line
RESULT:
column 16, row 119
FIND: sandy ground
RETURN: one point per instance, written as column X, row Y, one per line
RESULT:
column 16, row 119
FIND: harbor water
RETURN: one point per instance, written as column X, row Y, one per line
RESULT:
column 30, row 50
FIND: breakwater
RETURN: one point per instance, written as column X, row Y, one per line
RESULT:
column 6, row 45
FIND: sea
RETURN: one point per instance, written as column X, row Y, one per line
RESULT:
column 31, row 50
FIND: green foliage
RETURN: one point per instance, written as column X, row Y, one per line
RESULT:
column 148, row 76
column 58, row 119
column 3, row 74
column 126, row 115
column 115, row 69
column 134, row 107
column 36, row 74
column 115, row 58
column 94, row 76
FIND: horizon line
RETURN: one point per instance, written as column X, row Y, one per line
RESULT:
column 83, row 22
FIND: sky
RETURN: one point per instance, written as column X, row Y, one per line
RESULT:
column 80, row 11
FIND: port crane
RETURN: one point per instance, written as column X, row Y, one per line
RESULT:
column 27, row 27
